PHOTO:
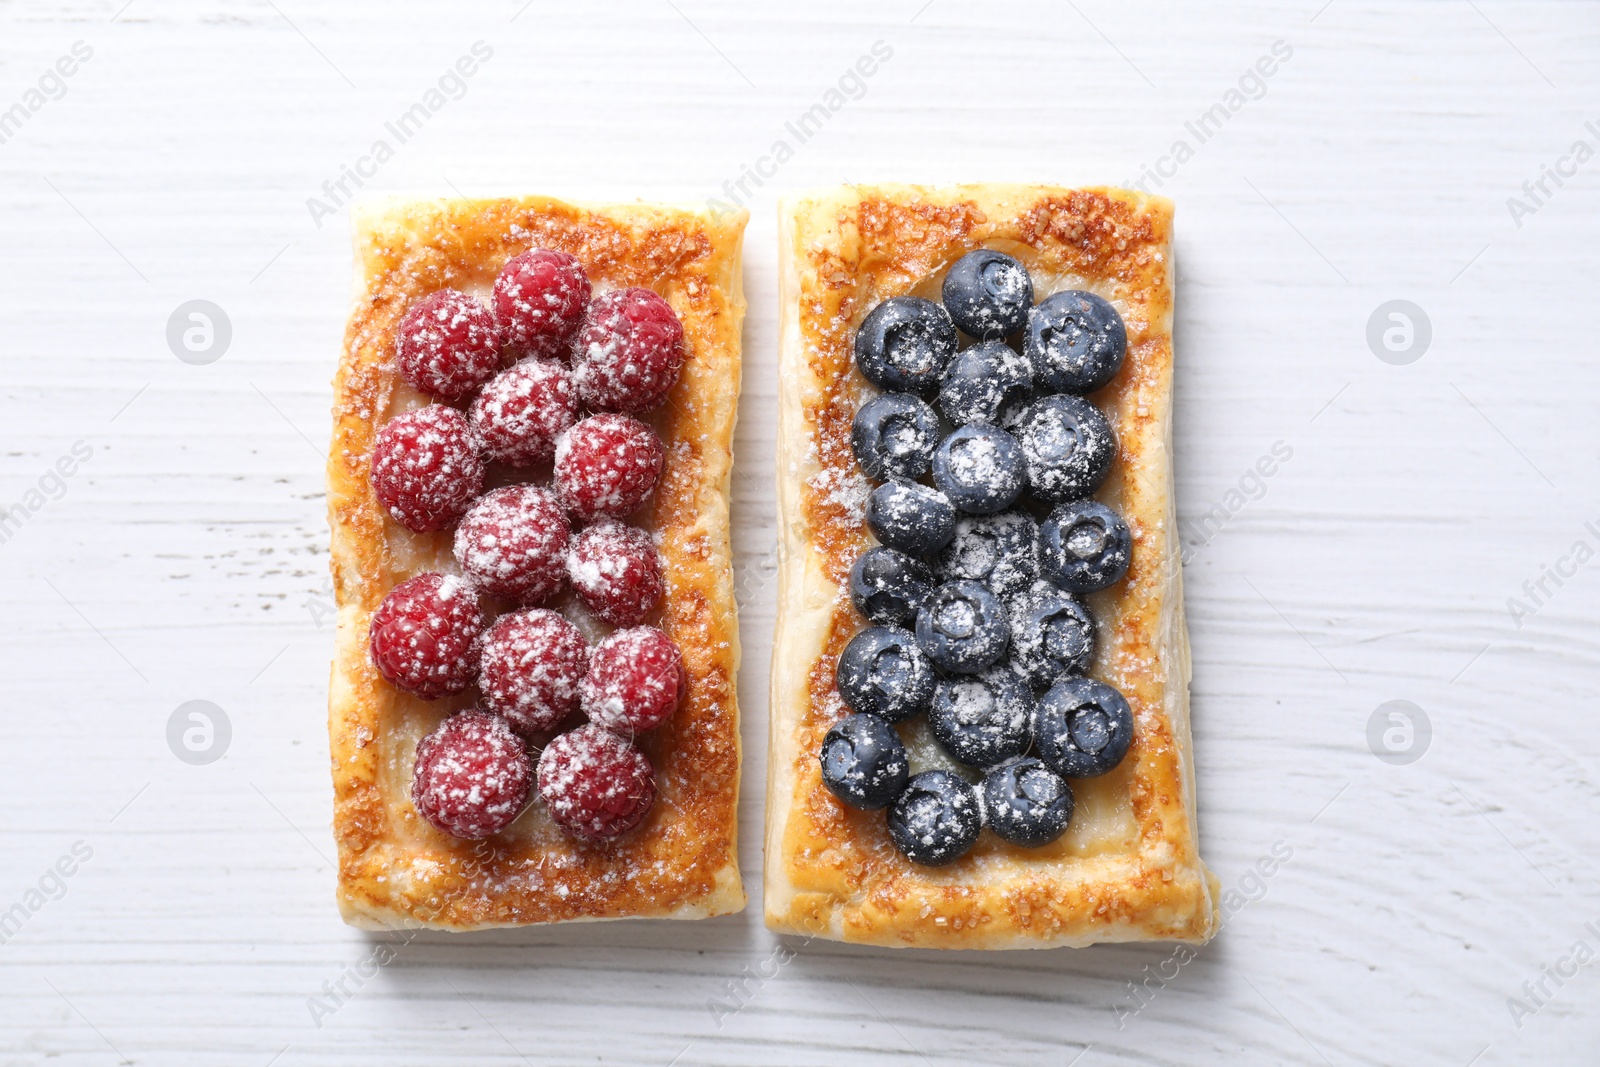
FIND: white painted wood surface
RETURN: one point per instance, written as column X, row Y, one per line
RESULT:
column 185, row 559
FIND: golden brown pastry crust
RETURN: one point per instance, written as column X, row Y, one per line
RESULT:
column 1128, row 868
column 395, row 870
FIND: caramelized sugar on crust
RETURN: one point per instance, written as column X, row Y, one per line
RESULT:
column 1128, row 869
column 394, row 869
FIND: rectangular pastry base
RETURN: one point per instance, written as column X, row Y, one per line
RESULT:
column 395, row 870
column 1128, row 868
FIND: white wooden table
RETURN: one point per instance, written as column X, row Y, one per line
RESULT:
column 185, row 558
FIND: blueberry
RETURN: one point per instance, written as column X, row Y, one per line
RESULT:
column 1001, row 551
column 911, row 517
column 1082, row 728
column 980, row 468
column 893, row 436
column 904, row 344
column 988, row 382
column 863, row 762
column 1052, row 635
column 1085, row 546
column 982, row 719
column 1068, row 446
column 962, row 627
column 988, row 294
column 935, row 819
column 1076, row 342
column 884, row 672
column 888, row 586
column 1027, row 803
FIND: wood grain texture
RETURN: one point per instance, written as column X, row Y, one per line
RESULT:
column 185, row 559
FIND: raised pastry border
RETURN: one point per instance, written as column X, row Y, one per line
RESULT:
column 831, row 871
column 396, row 871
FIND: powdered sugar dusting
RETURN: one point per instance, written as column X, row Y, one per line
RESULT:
column 426, row 468
column 447, row 345
column 539, row 300
column 424, row 636
column 533, row 663
column 1001, row 551
column 513, row 543
column 519, row 415
column 635, row 681
column 845, row 488
column 607, row 466
column 616, row 571
column 595, row 784
column 472, row 775
column 628, row 354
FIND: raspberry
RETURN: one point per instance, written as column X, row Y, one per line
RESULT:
column 539, row 299
column 533, row 662
column 472, row 776
column 424, row 636
column 595, row 784
column 606, row 466
column 513, row 543
column 522, row 411
column 447, row 345
column 629, row 352
column 616, row 572
column 635, row 680
column 426, row 468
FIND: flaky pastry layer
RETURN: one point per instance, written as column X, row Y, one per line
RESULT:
column 395, row 870
column 1128, row 868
